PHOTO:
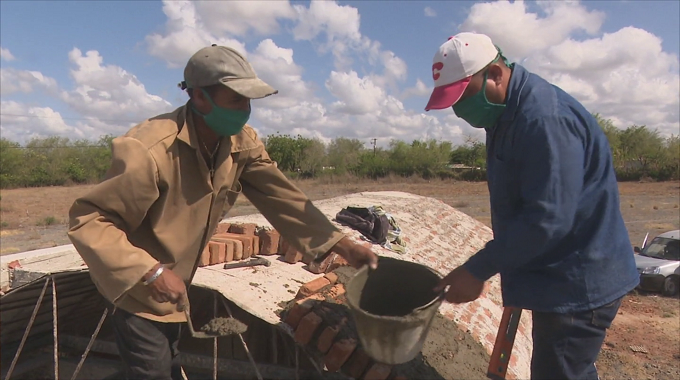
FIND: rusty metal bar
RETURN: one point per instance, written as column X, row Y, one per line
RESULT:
column 245, row 346
column 28, row 330
column 89, row 344
column 54, row 329
column 214, row 339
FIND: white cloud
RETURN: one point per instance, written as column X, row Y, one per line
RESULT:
column 14, row 80
column 35, row 122
column 520, row 33
column 420, row 89
column 275, row 65
column 429, row 12
column 185, row 34
column 108, row 91
column 242, row 17
column 610, row 74
column 6, row 55
column 356, row 96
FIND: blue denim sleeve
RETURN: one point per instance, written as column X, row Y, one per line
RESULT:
column 549, row 153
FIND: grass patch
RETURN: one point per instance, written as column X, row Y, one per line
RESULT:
column 47, row 221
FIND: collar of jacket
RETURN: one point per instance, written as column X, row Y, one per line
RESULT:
column 518, row 79
column 245, row 140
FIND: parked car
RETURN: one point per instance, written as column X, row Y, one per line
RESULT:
column 659, row 264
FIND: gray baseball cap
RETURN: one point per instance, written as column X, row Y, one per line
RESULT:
column 220, row 64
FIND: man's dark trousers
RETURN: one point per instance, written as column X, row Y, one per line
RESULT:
column 566, row 346
column 149, row 349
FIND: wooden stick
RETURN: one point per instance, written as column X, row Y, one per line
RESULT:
column 28, row 329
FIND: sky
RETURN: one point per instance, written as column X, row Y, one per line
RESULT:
column 356, row 69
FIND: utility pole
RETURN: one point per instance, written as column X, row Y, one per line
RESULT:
column 374, row 141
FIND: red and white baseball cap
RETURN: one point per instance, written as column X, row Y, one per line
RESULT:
column 462, row 56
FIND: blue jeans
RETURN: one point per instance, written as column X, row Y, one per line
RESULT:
column 566, row 346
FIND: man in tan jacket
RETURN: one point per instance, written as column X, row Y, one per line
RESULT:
column 142, row 229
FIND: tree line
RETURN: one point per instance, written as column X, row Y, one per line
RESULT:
column 639, row 153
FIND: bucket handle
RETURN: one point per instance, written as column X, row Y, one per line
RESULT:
column 439, row 297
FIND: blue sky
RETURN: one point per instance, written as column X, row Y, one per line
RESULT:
column 359, row 68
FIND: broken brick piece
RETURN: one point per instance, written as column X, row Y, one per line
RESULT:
column 243, row 228
column 336, row 291
column 222, row 228
column 269, row 242
column 14, row 264
column 217, row 252
column 292, row 256
column 307, row 327
column 378, row 371
column 339, row 353
column 321, row 267
column 300, row 309
column 357, row 363
column 327, row 338
column 312, row 287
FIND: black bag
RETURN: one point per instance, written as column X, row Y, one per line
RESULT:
column 375, row 227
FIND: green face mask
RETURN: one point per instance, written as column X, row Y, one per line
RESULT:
column 477, row 110
column 223, row 121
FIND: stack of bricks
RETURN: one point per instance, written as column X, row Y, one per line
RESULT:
column 322, row 328
column 234, row 242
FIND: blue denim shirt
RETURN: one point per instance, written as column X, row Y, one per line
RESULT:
column 560, row 243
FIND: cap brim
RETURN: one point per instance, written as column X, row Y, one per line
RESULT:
column 447, row 95
column 251, row 88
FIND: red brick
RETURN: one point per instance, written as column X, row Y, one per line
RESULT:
column 337, row 263
column 326, row 338
column 269, row 242
column 336, row 291
column 378, row 371
column 243, row 228
column 292, row 255
column 217, row 252
column 222, row 228
column 256, row 245
column 321, row 267
column 283, row 246
column 357, row 364
column 331, row 277
column 229, row 250
column 14, row 264
column 312, row 287
column 300, row 309
column 307, row 259
column 339, row 353
column 205, row 257
column 247, row 242
column 307, row 327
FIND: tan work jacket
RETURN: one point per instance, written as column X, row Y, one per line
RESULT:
column 158, row 203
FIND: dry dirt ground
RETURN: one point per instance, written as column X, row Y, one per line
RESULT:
column 37, row 218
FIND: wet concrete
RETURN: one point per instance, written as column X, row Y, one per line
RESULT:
column 224, row 326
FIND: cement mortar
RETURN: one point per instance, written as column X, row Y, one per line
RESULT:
column 224, row 326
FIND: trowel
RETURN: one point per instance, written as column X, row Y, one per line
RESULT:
column 203, row 334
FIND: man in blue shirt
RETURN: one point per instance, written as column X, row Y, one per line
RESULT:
column 560, row 244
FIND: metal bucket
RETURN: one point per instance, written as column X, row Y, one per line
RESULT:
column 393, row 308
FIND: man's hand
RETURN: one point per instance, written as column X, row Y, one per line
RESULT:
column 463, row 286
column 356, row 254
column 168, row 287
